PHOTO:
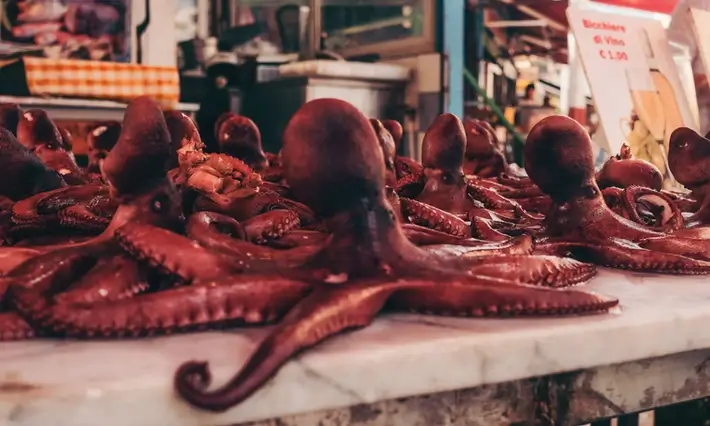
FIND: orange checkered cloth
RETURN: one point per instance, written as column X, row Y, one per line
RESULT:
column 102, row 80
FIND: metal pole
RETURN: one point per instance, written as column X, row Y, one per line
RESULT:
column 453, row 33
column 315, row 21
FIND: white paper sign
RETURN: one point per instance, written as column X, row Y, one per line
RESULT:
column 634, row 81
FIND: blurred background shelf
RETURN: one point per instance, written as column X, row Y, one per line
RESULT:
column 82, row 109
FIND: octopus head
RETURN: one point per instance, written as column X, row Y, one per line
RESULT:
column 36, row 128
column 10, row 116
column 395, row 129
column 161, row 206
column 184, row 135
column 384, row 137
column 444, row 143
column 480, row 138
column 689, row 157
column 24, row 173
column 67, row 139
column 239, row 137
column 623, row 171
column 101, row 140
column 142, row 151
column 559, row 159
column 332, row 160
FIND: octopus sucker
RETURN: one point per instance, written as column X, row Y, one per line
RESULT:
column 368, row 261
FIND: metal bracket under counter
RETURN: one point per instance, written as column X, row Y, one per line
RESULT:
column 82, row 109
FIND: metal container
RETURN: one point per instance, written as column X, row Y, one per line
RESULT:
column 272, row 104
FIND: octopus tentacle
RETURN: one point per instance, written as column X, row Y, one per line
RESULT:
column 514, row 181
column 11, row 257
column 112, row 278
column 408, row 181
column 225, row 235
column 175, row 255
column 406, row 166
column 332, row 310
column 51, row 269
column 299, row 238
column 252, row 300
column 422, row 236
column 629, row 256
column 535, row 204
column 270, row 225
column 320, row 315
column 549, row 271
column 483, row 228
column 468, row 298
column 512, row 246
column 81, row 218
column 671, row 217
column 431, row 217
column 14, row 327
column 688, row 247
column 526, row 192
column 491, row 199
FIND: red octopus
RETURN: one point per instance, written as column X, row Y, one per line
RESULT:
column 559, row 159
column 38, row 133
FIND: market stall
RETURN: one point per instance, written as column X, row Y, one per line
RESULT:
column 324, row 242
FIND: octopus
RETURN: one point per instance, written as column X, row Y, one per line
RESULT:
column 224, row 184
column 559, row 160
column 443, row 185
column 482, row 157
column 101, row 140
column 29, row 175
column 184, row 137
column 632, row 188
column 688, row 161
column 96, row 269
column 39, row 134
column 367, row 265
column 239, row 137
column 10, row 116
column 150, row 272
column 404, row 166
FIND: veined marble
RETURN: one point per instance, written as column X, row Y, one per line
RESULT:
column 130, row 382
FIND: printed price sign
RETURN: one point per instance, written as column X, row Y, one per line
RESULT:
column 634, row 82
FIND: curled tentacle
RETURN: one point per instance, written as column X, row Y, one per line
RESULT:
column 340, row 308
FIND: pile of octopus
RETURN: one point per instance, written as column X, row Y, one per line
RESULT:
column 156, row 235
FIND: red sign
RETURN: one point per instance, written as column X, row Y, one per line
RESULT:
column 660, row 6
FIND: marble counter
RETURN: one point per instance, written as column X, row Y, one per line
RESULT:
column 130, row 382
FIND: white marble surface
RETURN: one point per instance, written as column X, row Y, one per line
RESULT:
column 130, row 382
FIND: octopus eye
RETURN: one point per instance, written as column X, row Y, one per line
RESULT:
column 159, row 203
column 447, row 178
column 101, row 155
